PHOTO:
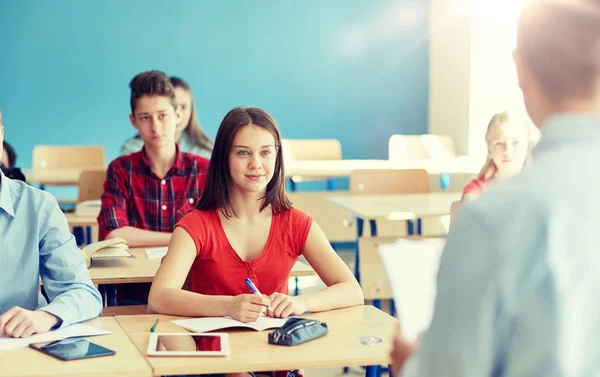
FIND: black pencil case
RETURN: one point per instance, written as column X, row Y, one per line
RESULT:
column 297, row 331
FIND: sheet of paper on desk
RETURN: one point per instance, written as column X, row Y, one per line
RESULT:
column 411, row 267
column 7, row 343
column 156, row 252
column 215, row 323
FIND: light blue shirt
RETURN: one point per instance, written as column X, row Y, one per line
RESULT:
column 135, row 144
column 519, row 279
column 35, row 242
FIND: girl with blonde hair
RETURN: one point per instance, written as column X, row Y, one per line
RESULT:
column 509, row 145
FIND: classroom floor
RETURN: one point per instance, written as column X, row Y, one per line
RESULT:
column 313, row 283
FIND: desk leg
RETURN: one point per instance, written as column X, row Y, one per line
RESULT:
column 88, row 235
column 373, row 371
column 373, row 225
column 359, row 232
column 297, row 289
column 111, row 294
column 445, row 181
column 292, row 185
column 331, row 184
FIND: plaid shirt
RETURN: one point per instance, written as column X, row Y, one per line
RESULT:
column 135, row 196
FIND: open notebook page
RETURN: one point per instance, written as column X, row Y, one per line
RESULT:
column 216, row 323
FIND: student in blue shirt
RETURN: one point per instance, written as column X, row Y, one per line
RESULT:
column 518, row 282
column 35, row 242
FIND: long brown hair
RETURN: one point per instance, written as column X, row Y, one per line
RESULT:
column 193, row 129
column 218, row 181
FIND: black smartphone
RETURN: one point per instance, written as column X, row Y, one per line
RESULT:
column 72, row 349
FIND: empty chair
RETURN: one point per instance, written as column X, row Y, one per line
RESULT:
column 67, row 157
column 310, row 150
column 91, row 184
column 389, row 181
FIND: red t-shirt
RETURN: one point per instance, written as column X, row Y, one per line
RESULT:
column 219, row 270
column 476, row 186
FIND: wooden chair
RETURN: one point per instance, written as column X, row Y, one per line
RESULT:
column 91, row 184
column 91, row 187
column 67, row 157
column 389, row 181
column 310, row 149
column 404, row 148
column 332, row 220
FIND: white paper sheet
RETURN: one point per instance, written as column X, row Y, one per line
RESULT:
column 412, row 267
column 7, row 343
column 216, row 323
column 156, row 252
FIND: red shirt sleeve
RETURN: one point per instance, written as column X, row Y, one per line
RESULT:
column 476, row 186
column 113, row 213
column 193, row 224
column 301, row 223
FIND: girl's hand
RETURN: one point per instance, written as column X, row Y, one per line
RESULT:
column 247, row 307
column 283, row 306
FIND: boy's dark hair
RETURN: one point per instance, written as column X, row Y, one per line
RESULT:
column 151, row 83
column 12, row 155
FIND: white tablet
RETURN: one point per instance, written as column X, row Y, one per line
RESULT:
column 188, row 344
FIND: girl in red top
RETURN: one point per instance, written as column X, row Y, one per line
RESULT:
column 245, row 226
column 509, row 148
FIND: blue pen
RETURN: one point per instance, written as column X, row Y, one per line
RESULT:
column 253, row 288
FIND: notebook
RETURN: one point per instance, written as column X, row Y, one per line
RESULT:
column 412, row 267
column 205, row 324
column 112, row 248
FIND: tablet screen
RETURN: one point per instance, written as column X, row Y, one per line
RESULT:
column 189, row 343
column 73, row 349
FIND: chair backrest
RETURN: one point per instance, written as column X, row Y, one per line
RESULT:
column 67, row 157
column 333, row 221
column 91, row 184
column 311, row 149
column 404, row 148
column 389, row 181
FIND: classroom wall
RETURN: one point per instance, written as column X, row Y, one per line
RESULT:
column 472, row 73
column 347, row 69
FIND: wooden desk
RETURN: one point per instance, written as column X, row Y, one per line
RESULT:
column 142, row 270
column 395, row 207
column 250, row 350
column 343, row 168
column 126, row 362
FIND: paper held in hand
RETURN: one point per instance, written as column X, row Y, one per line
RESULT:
column 412, row 266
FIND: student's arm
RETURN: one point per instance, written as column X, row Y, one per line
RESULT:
column 342, row 288
column 140, row 237
column 73, row 297
column 113, row 220
column 168, row 297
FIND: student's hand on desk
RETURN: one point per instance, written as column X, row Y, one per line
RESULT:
column 22, row 323
column 283, row 306
column 248, row 307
